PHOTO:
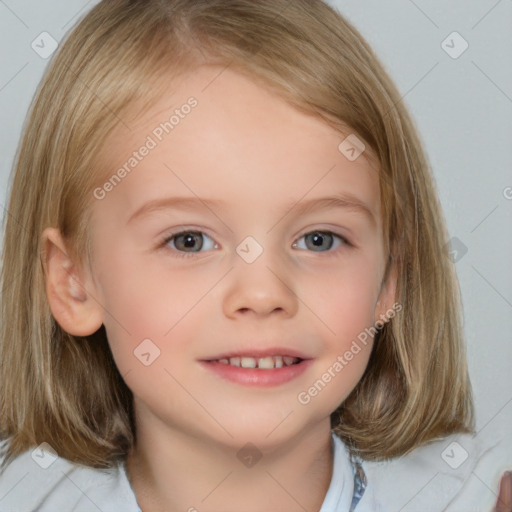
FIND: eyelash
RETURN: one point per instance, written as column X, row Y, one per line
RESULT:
column 180, row 254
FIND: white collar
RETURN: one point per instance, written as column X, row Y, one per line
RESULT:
column 341, row 489
column 340, row 494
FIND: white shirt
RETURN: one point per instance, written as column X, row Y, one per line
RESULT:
column 431, row 478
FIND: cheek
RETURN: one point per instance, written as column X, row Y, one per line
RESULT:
column 344, row 298
column 143, row 301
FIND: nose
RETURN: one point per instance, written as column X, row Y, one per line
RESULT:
column 260, row 289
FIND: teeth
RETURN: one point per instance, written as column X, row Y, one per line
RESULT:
column 248, row 362
column 266, row 362
column 263, row 363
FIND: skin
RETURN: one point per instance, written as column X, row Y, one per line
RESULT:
column 504, row 498
column 245, row 146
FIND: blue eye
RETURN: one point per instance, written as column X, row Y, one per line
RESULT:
column 188, row 242
column 321, row 241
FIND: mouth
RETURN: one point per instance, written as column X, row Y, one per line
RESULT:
column 261, row 363
column 259, row 368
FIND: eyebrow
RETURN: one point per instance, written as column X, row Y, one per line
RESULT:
column 345, row 201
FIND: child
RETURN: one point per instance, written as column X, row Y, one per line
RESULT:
column 175, row 337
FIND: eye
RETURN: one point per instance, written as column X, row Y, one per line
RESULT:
column 321, row 241
column 188, row 242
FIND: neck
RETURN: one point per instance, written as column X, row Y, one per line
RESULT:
column 172, row 470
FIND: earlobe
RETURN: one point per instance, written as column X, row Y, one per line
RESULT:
column 69, row 289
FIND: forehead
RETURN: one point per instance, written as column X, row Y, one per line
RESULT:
column 216, row 133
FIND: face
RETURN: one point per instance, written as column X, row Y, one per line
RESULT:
column 242, row 235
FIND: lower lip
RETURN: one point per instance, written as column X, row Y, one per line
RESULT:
column 256, row 376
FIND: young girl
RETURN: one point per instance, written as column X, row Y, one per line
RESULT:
column 225, row 278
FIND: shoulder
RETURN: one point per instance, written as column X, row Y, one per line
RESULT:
column 458, row 473
column 40, row 480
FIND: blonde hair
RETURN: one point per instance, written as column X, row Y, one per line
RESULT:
column 66, row 390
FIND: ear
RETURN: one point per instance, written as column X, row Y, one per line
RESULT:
column 69, row 289
column 384, row 308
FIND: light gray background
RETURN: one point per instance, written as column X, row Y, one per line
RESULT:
column 462, row 107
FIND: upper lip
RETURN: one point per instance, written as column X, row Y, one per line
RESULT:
column 259, row 353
